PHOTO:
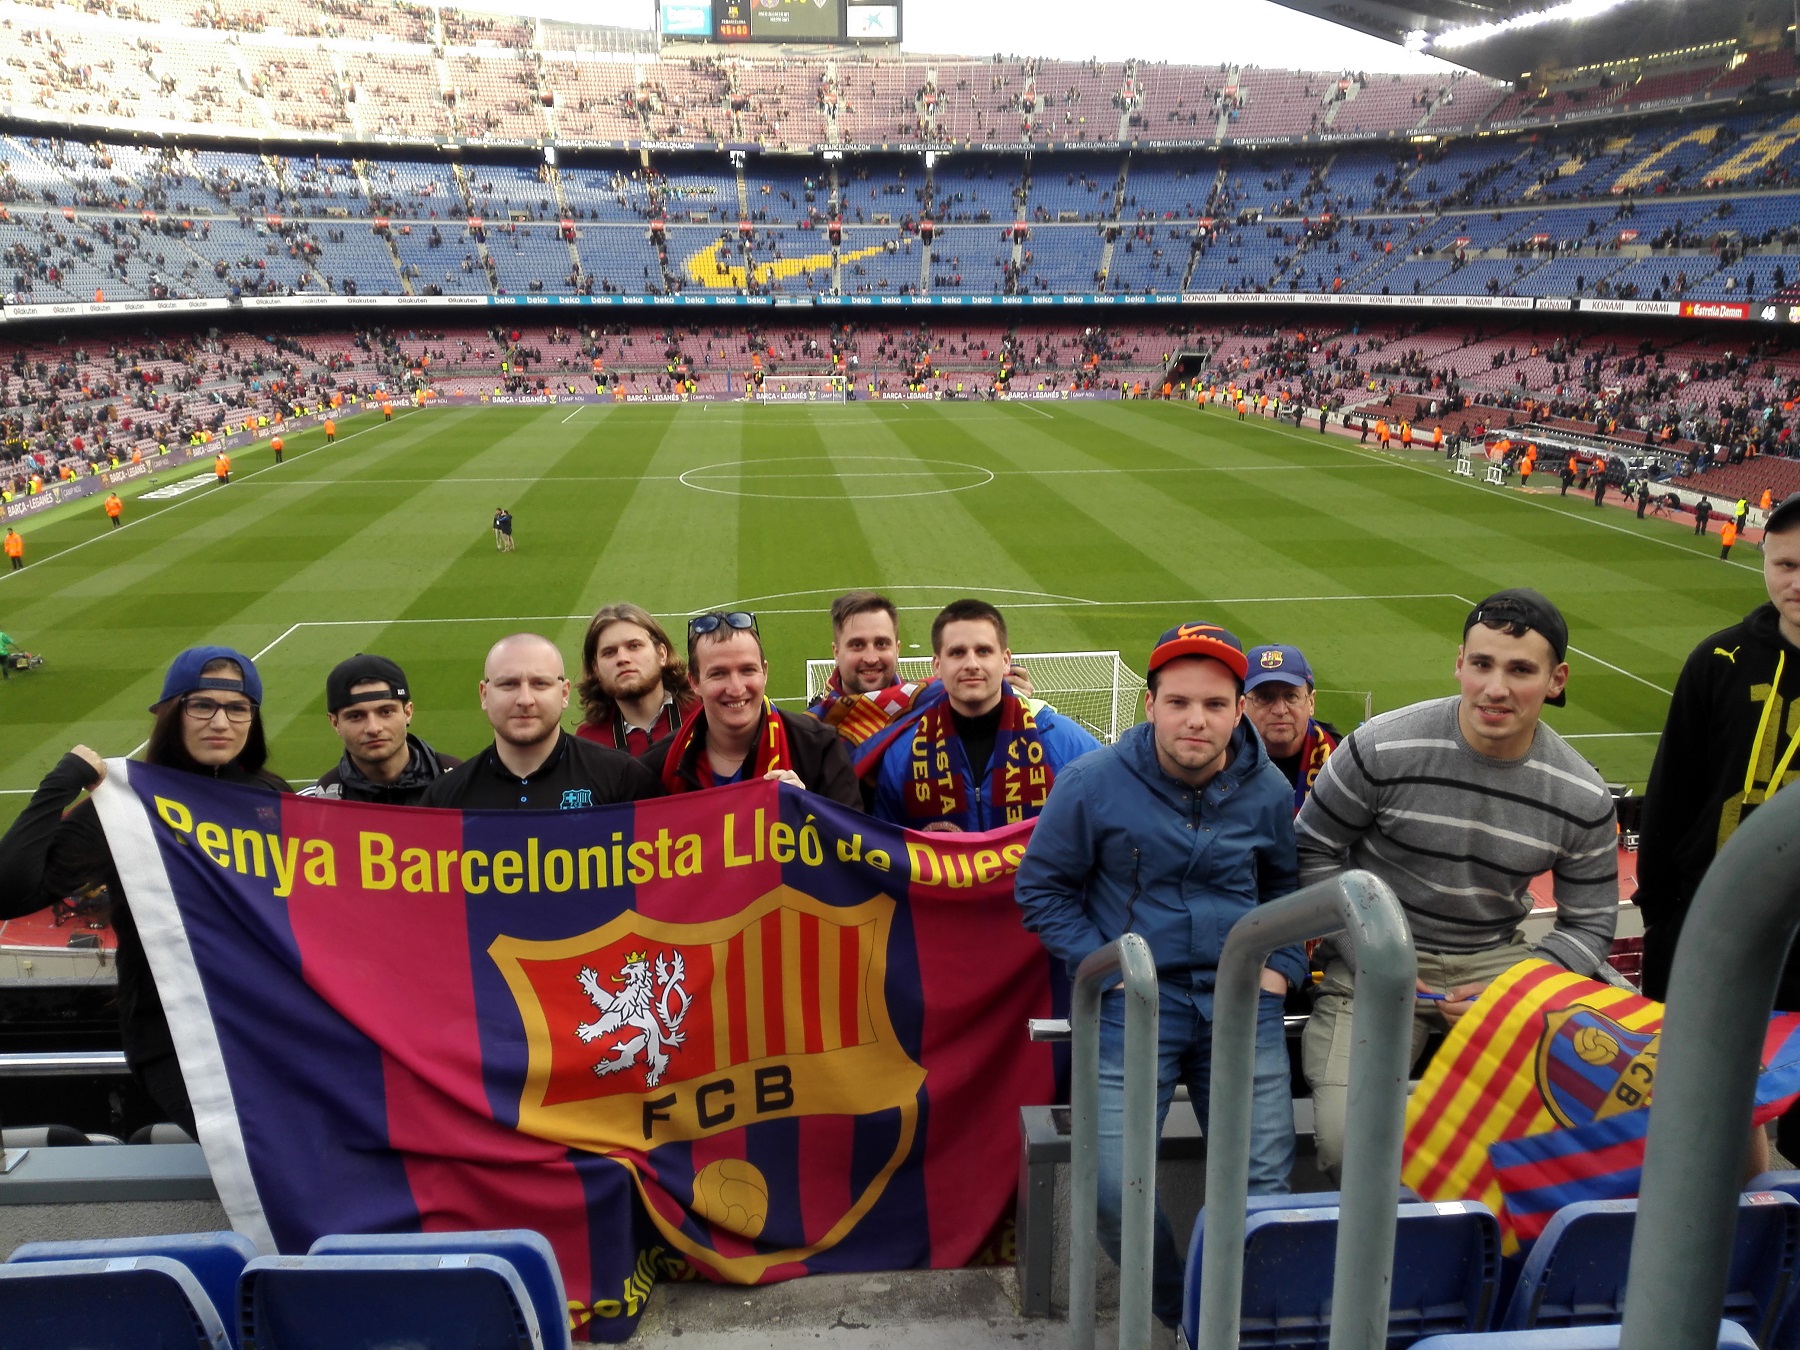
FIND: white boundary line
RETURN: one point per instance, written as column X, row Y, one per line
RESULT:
column 1039, row 411
column 1586, row 655
column 190, row 499
column 1520, row 498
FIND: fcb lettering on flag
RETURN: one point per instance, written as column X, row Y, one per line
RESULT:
column 743, row 1032
column 1540, row 1097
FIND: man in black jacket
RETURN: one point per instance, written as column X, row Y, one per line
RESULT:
column 1729, row 744
column 370, row 706
column 736, row 735
column 533, row 764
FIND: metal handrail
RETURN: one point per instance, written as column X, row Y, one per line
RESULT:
column 1128, row 958
column 1734, row 946
column 1358, row 910
column 62, row 1063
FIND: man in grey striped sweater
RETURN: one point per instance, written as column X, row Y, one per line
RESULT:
column 1457, row 803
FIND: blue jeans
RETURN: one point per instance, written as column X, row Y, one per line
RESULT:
column 1184, row 1055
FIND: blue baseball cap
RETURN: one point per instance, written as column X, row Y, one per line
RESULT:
column 1277, row 664
column 184, row 675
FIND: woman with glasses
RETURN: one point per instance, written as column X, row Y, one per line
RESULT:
column 736, row 735
column 208, row 721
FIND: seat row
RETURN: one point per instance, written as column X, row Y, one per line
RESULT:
column 1452, row 1290
column 210, row 1291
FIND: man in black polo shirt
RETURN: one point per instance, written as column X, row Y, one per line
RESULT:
column 370, row 706
column 533, row 764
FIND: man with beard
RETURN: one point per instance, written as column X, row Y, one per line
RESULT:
column 370, row 706
column 634, row 689
column 533, row 764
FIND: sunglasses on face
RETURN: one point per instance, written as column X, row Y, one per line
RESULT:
column 702, row 624
column 205, row 709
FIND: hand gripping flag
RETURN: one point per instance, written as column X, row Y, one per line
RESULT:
column 743, row 1032
column 1540, row 1097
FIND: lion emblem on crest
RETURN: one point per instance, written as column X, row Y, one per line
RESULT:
column 652, row 1005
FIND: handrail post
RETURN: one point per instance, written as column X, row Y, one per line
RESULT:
column 1129, row 958
column 1360, row 908
column 1734, row 946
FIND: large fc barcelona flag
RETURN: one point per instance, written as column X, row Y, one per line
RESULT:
column 1541, row 1097
column 744, row 1032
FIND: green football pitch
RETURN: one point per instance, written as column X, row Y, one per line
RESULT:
column 1094, row 526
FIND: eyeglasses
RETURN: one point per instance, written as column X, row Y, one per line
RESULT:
column 701, row 624
column 205, row 709
column 1271, row 694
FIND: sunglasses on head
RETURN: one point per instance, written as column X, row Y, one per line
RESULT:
column 702, row 624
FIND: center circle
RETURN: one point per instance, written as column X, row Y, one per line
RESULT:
column 837, row 477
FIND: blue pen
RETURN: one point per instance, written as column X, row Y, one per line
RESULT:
column 1436, row 998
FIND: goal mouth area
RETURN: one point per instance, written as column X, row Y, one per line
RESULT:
column 1096, row 689
column 802, row 389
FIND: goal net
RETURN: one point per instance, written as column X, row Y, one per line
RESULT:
column 1096, row 689
column 803, row 389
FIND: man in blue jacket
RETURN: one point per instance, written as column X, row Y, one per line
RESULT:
column 973, row 752
column 1174, row 833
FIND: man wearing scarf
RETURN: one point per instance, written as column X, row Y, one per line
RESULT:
column 1278, row 700
column 973, row 753
column 734, row 734
column 865, row 695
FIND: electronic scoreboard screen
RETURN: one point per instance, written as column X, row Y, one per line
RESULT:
column 796, row 20
column 866, row 22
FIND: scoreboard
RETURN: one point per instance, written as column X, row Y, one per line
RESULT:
column 820, row 21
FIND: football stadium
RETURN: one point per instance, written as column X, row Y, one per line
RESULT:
column 554, row 567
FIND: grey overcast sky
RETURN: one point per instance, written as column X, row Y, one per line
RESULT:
column 1196, row 32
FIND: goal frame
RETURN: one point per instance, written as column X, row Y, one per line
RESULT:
column 811, row 389
column 1122, row 688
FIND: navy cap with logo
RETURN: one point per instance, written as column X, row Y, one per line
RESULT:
column 184, row 675
column 1277, row 664
column 1200, row 639
column 1527, row 608
column 364, row 669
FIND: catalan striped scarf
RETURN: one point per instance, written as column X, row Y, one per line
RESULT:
column 861, row 720
column 1315, row 748
column 1018, row 776
column 687, row 768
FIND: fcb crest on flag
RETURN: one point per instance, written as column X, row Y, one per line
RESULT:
column 1540, row 1097
column 792, row 1024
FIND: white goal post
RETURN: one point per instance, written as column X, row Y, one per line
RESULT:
column 803, row 389
column 1096, row 689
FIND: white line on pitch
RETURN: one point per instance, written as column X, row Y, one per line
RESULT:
column 273, row 645
column 185, row 501
column 571, row 417
column 1039, row 411
column 1621, row 670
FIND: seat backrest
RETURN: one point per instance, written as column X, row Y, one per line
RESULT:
column 528, row 1251
column 1731, row 1337
column 1446, row 1271
column 1575, row 1274
column 215, row 1260
column 471, row 1302
column 126, row 1300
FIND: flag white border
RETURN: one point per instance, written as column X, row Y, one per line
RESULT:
column 131, row 837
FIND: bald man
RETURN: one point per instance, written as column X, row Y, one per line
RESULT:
column 533, row 764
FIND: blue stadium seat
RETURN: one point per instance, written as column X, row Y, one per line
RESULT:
column 1575, row 1274
column 441, row 1302
column 1446, row 1271
column 1731, row 1337
column 528, row 1252
column 112, row 1301
column 215, row 1260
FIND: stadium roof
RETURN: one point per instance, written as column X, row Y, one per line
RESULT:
column 1510, row 39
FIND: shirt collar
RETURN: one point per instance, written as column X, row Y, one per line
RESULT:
column 498, row 768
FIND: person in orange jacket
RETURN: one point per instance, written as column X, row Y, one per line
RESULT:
column 114, row 508
column 15, row 548
column 222, row 468
column 330, row 431
column 275, row 444
column 1728, row 533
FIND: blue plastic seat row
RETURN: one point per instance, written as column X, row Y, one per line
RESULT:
column 434, row 1291
column 1449, row 1282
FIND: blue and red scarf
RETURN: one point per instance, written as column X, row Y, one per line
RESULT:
column 687, row 768
column 866, row 723
column 1019, row 774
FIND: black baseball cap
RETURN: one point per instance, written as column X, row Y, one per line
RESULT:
column 364, row 669
column 1521, row 605
column 1784, row 515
